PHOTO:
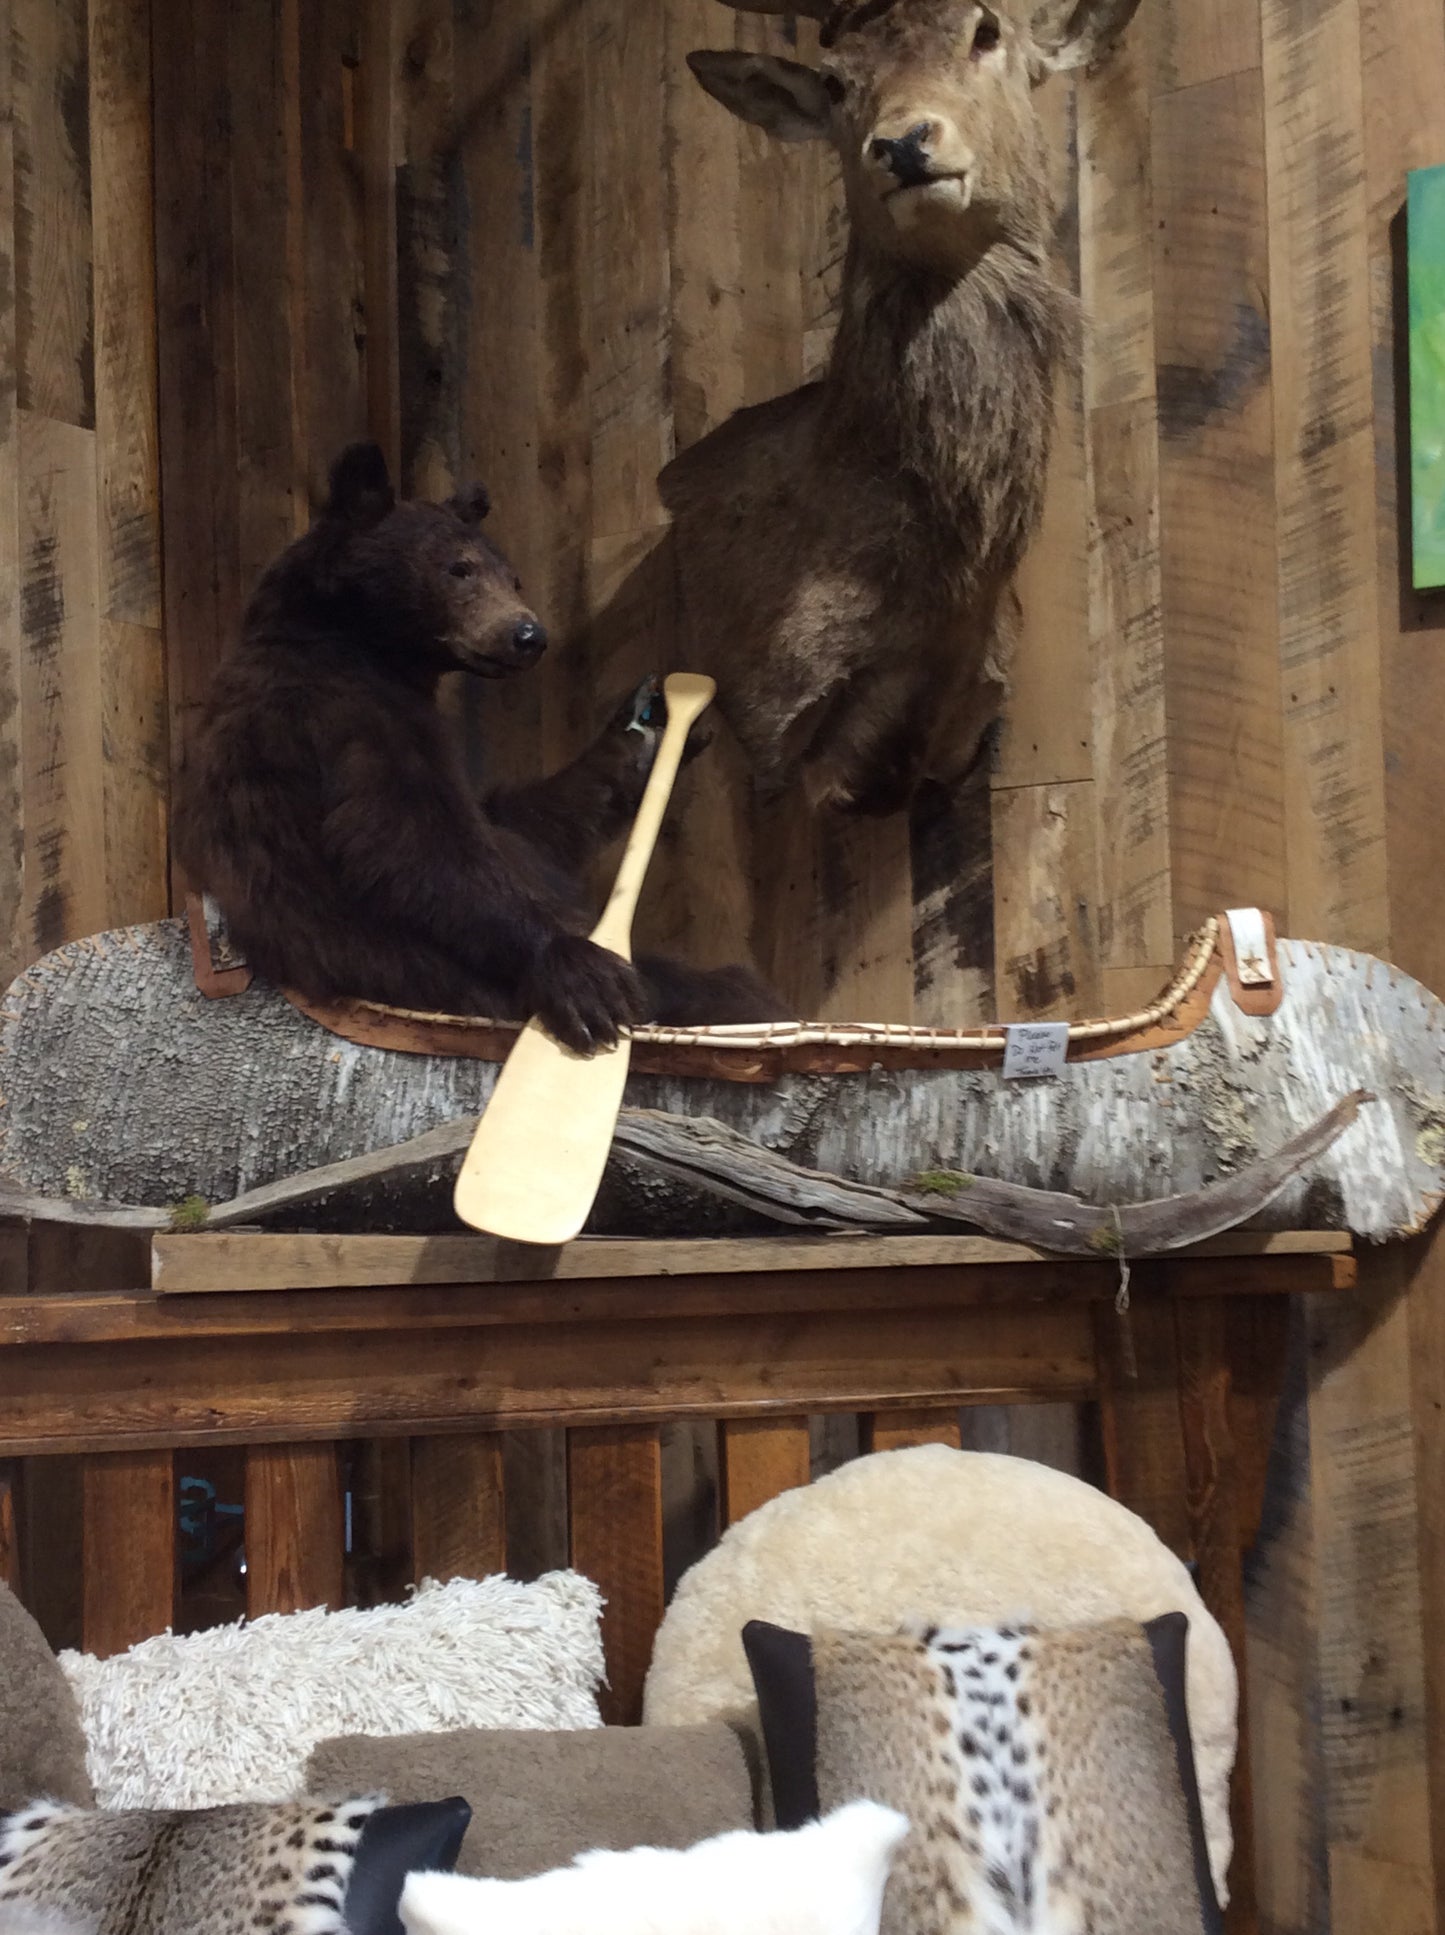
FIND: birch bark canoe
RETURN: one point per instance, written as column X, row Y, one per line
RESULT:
column 119, row 1082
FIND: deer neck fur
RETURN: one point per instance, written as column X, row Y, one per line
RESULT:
column 948, row 384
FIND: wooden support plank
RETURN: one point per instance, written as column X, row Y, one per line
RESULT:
column 132, row 646
column 761, row 1457
column 60, row 687
column 534, row 1468
column 71, row 1397
column 1143, row 1443
column 1222, row 696
column 897, row 1430
column 458, row 1507
column 615, row 1512
column 1211, row 1469
column 1044, row 892
column 295, row 1536
column 129, row 1564
column 376, row 148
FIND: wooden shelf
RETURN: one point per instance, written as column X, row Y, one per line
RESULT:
column 228, row 1261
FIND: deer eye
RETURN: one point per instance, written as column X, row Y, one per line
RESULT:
column 986, row 35
column 834, row 87
column 462, row 569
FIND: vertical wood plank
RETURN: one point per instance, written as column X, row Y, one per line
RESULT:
column 9, row 1535
column 1213, row 1500
column 458, row 1507
column 1044, row 902
column 295, row 1536
column 615, row 1512
column 60, row 691
column 334, row 398
column 898, row 1430
column 131, row 642
column 55, row 318
column 379, row 1566
column 375, row 106
column 534, row 1467
column 195, row 315
column 129, row 1563
column 14, row 944
column 1138, row 1358
column 428, row 186
column 498, row 298
column 761, row 1457
column 954, row 937
column 1222, row 697
column 1046, row 727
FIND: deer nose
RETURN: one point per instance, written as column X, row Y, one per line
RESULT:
column 529, row 640
column 906, row 155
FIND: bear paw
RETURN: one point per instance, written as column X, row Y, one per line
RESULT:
column 584, row 995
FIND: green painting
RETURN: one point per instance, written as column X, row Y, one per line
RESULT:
column 1427, row 374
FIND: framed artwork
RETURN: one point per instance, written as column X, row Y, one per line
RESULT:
column 1426, row 252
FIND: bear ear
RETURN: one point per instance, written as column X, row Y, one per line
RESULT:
column 470, row 504
column 361, row 490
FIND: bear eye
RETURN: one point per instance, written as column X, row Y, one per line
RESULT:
column 834, row 87
column 986, row 35
column 462, row 568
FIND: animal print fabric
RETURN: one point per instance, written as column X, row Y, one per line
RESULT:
column 1037, row 1770
column 250, row 1870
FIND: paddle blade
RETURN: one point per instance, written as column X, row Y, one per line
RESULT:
column 536, row 1160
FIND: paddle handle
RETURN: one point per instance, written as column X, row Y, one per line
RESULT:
column 688, row 695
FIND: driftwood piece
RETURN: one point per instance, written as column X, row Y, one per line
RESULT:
column 708, row 1157
column 120, row 1083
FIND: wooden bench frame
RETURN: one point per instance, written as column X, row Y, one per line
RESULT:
column 293, row 1346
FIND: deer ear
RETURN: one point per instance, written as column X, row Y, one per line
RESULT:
column 360, row 490
column 1080, row 35
column 470, row 504
column 780, row 96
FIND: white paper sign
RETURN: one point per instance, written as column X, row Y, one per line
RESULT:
column 1035, row 1048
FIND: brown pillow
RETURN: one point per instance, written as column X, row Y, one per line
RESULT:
column 42, row 1749
column 539, row 1799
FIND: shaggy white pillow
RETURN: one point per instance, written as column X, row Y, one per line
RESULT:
column 960, row 1538
column 233, row 1714
column 825, row 1879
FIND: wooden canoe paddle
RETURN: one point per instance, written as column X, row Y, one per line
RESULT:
column 536, row 1160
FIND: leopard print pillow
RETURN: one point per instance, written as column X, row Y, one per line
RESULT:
column 1038, row 1770
column 249, row 1870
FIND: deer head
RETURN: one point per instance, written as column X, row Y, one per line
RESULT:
column 929, row 105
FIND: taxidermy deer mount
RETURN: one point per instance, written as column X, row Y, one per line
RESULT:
column 849, row 548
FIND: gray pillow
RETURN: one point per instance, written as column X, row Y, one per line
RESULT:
column 540, row 1798
column 42, row 1749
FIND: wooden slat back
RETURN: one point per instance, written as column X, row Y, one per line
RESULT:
column 896, row 1430
column 761, row 1457
column 129, row 1548
column 615, row 1510
column 9, row 1542
column 458, row 1507
column 295, row 1536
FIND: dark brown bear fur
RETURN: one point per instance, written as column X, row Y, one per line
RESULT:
column 325, row 806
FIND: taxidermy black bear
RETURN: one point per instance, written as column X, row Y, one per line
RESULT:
column 325, row 806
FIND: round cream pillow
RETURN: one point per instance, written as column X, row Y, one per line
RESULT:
column 956, row 1537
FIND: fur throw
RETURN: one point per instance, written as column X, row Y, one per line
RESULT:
column 825, row 1879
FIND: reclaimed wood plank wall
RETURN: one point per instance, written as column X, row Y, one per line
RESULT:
column 511, row 238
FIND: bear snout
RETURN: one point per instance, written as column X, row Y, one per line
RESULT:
column 529, row 641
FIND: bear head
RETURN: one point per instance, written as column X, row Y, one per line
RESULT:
column 417, row 585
